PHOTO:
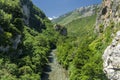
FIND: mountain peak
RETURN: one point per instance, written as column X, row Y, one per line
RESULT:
column 77, row 13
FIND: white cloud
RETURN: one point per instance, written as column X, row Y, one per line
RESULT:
column 51, row 18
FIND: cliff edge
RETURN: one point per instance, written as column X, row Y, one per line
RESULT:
column 109, row 17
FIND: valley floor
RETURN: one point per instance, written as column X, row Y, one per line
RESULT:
column 53, row 70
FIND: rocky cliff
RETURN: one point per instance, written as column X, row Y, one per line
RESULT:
column 109, row 18
column 25, row 40
column 76, row 14
column 111, row 58
column 14, row 18
column 109, row 15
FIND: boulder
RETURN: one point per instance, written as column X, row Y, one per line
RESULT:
column 61, row 29
column 111, row 59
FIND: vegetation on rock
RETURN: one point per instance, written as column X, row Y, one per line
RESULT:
column 26, row 39
column 23, row 48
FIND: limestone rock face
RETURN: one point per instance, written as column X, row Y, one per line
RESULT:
column 108, row 14
column 26, row 12
column 111, row 59
column 16, row 41
column 87, row 11
column 109, row 17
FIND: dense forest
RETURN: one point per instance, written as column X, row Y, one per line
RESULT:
column 27, row 37
column 24, row 47
column 81, row 52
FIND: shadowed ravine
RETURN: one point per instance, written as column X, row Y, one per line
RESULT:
column 54, row 71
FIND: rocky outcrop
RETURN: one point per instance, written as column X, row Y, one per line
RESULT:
column 109, row 17
column 62, row 30
column 1, row 30
column 16, row 41
column 109, row 14
column 26, row 12
column 76, row 14
column 87, row 11
column 111, row 58
column 4, row 49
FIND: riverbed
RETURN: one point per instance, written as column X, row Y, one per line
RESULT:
column 53, row 70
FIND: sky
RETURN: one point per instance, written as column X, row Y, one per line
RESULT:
column 55, row 8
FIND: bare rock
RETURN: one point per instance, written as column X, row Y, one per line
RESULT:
column 16, row 42
column 109, row 13
column 26, row 12
column 111, row 59
column 4, row 49
column 1, row 29
column 61, row 29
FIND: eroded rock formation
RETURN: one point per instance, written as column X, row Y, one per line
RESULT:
column 109, row 16
column 111, row 59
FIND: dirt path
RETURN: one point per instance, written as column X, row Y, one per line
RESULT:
column 54, row 71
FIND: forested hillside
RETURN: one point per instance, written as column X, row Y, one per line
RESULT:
column 81, row 53
column 25, row 40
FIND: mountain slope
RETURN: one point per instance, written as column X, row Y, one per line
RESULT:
column 25, row 40
column 79, row 26
column 82, row 55
column 81, row 52
column 78, row 13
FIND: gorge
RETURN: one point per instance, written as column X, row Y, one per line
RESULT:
column 83, row 44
